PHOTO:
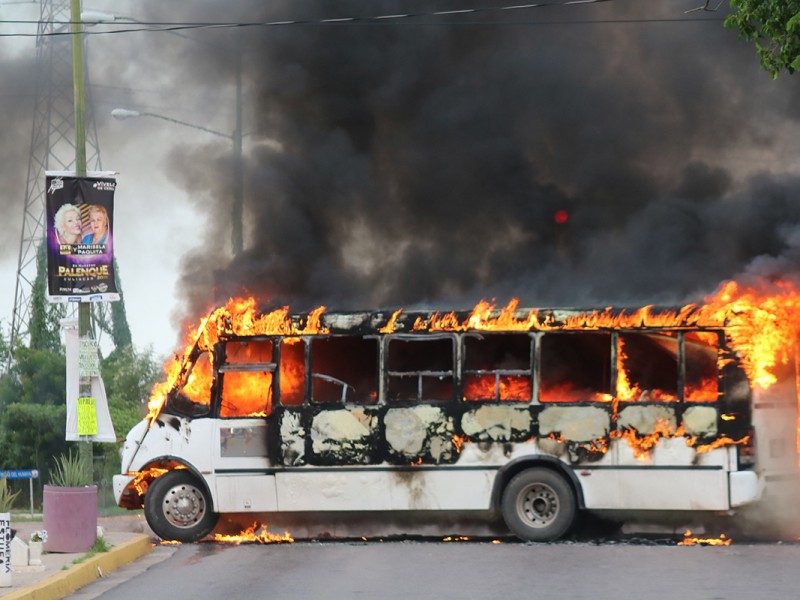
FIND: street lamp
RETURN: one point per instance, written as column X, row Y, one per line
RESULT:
column 237, row 238
column 95, row 17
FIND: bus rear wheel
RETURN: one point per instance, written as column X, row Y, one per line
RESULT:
column 177, row 507
column 538, row 505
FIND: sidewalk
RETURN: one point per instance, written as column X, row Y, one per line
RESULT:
column 128, row 537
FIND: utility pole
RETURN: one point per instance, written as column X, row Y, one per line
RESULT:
column 237, row 233
column 52, row 148
column 84, row 308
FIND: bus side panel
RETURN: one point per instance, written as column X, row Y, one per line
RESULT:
column 441, row 489
column 649, row 488
column 775, row 423
column 246, row 493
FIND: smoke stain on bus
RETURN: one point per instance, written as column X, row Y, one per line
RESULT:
column 414, row 482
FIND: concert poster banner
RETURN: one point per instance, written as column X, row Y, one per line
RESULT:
column 80, row 226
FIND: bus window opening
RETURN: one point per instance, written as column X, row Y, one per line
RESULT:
column 247, row 379
column 647, row 368
column 420, row 370
column 194, row 398
column 575, row 367
column 497, row 368
column 701, row 352
column 344, row 369
column 246, row 394
column 293, row 371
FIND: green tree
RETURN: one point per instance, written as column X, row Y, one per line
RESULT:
column 33, row 409
column 774, row 27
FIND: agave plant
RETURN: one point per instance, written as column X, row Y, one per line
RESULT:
column 71, row 470
column 6, row 496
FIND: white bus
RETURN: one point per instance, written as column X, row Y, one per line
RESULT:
column 533, row 414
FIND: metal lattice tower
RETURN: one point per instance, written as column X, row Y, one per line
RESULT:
column 52, row 148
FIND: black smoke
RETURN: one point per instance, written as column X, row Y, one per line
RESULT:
column 16, row 99
column 422, row 161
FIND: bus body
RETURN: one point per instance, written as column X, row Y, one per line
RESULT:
column 536, row 420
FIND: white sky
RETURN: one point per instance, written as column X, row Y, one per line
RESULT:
column 154, row 222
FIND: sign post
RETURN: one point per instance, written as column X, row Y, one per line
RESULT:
column 29, row 474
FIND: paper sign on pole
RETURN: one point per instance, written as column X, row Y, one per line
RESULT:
column 87, row 412
column 87, row 417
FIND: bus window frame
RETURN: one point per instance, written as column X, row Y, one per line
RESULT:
column 498, row 373
column 310, row 375
column 170, row 406
column 241, row 367
column 454, row 373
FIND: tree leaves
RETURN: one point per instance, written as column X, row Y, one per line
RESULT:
column 774, row 27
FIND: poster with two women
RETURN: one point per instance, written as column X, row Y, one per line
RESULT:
column 80, row 247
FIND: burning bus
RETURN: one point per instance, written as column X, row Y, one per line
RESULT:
column 533, row 414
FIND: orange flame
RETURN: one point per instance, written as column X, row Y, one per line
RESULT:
column 389, row 327
column 480, row 319
column 718, row 443
column 762, row 324
column 238, row 317
column 643, row 444
column 688, row 540
column 250, row 535
column 760, row 321
column 486, row 387
column 142, row 479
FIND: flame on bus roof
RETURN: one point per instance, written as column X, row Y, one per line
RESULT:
column 761, row 321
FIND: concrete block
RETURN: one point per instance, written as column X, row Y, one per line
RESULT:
column 19, row 553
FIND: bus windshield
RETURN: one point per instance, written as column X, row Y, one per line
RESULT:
column 194, row 398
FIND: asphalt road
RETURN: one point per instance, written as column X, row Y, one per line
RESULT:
column 405, row 570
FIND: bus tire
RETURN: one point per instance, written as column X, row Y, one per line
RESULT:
column 177, row 507
column 538, row 505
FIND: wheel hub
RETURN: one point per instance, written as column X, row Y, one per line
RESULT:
column 183, row 506
column 539, row 505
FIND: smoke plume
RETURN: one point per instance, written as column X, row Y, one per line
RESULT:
column 423, row 161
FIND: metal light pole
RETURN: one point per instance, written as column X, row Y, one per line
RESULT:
column 237, row 237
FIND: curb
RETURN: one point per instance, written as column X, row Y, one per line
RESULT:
column 66, row 582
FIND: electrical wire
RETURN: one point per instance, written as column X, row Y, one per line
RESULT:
column 390, row 19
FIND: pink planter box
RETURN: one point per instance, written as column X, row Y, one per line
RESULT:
column 70, row 518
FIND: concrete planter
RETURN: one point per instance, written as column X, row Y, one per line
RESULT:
column 5, row 549
column 70, row 518
column 35, row 553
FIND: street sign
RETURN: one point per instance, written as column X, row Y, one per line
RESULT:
column 20, row 474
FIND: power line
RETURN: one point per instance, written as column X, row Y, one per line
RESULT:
column 390, row 19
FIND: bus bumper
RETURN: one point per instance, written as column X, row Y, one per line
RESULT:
column 745, row 487
column 120, row 484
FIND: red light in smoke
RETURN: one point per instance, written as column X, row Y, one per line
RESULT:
column 561, row 217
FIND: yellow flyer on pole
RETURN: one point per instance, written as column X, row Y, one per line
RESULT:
column 87, row 416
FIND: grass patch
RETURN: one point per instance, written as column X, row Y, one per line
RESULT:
column 100, row 545
column 25, row 517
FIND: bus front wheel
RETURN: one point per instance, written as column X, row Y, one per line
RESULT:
column 177, row 507
column 538, row 505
